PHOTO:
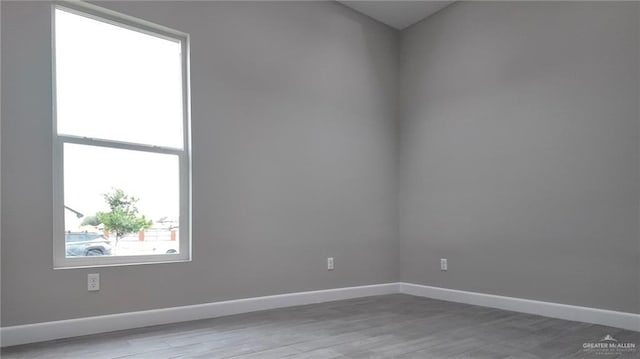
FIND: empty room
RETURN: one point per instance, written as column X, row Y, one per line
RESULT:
column 320, row 179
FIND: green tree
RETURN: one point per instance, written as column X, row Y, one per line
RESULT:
column 90, row 221
column 123, row 217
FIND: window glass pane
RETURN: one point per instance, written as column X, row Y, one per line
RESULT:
column 92, row 225
column 117, row 84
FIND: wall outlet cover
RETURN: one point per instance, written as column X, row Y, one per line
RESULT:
column 93, row 282
column 443, row 264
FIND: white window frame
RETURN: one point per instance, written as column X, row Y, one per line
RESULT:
column 60, row 260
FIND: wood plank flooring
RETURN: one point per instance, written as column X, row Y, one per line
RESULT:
column 390, row 326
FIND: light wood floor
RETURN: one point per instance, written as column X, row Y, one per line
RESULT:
column 390, row 326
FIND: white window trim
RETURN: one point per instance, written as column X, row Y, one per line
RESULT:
column 60, row 261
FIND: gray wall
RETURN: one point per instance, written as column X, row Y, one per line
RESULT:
column 293, row 142
column 519, row 158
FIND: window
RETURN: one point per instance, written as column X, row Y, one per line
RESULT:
column 121, row 140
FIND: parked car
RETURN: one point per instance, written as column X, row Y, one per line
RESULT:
column 86, row 244
column 166, row 247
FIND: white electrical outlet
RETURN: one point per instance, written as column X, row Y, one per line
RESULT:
column 330, row 263
column 93, row 282
column 443, row 264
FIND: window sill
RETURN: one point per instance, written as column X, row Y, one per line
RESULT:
column 114, row 264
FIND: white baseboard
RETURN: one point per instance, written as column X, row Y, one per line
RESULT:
column 610, row 318
column 31, row 333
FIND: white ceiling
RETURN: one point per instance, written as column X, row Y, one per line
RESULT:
column 398, row 14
